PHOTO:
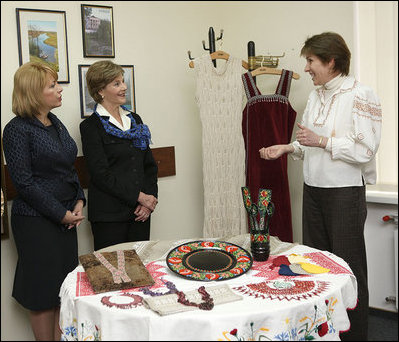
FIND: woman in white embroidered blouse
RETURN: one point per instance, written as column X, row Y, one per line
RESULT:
column 337, row 139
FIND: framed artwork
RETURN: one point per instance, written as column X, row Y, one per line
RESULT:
column 98, row 31
column 86, row 101
column 42, row 37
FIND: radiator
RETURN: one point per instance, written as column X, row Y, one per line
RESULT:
column 394, row 218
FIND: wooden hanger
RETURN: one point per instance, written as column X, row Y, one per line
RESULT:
column 267, row 70
column 220, row 55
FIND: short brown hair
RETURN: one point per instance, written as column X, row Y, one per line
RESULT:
column 327, row 46
column 99, row 75
column 29, row 82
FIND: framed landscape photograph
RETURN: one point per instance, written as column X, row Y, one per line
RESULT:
column 42, row 37
column 98, row 31
column 86, row 101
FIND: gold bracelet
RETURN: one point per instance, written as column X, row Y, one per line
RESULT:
column 320, row 140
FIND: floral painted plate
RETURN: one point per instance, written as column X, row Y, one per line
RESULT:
column 209, row 260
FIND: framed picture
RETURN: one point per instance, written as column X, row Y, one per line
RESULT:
column 86, row 101
column 42, row 37
column 98, row 31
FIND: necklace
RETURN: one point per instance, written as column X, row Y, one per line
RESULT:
column 207, row 303
column 137, row 300
column 171, row 287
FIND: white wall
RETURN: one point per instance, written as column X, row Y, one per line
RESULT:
column 155, row 37
column 376, row 64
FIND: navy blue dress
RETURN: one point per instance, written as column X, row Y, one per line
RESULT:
column 40, row 161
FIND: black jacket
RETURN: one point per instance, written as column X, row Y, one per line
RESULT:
column 41, row 168
column 118, row 172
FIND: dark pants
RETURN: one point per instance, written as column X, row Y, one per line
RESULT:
column 333, row 220
column 111, row 233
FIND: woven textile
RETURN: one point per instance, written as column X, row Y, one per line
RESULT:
column 219, row 95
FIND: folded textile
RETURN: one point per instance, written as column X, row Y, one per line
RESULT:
column 168, row 304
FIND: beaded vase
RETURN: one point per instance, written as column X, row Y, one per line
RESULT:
column 259, row 230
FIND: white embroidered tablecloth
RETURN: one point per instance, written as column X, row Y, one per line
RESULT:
column 273, row 306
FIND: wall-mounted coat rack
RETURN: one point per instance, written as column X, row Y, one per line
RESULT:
column 211, row 38
column 251, row 55
column 263, row 63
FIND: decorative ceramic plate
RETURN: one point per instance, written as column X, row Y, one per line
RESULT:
column 209, row 260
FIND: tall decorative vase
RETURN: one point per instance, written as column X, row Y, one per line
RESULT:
column 259, row 229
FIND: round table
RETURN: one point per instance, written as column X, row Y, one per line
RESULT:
column 261, row 304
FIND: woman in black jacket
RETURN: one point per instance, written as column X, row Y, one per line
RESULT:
column 40, row 156
column 123, row 186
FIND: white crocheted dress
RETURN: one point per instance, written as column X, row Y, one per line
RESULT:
column 219, row 95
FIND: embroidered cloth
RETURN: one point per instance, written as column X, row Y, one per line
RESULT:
column 351, row 119
column 111, row 271
column 272, row 306
column 168, row 304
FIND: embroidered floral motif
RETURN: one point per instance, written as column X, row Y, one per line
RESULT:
column 321, row 109
column 87, row 331
column 282, row 289
column 360, row 136
column 308, row 327
column 176, row 256
column 367, row 109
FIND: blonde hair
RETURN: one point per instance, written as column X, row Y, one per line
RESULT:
column 99, row 75
column 29, row 82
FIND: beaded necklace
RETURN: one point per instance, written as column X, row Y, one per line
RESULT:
column 207, row 303
column 136, row 301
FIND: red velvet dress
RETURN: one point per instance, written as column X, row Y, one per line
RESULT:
column 269, row 120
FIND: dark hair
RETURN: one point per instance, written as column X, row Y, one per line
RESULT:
column 99, row 75
column 327, row 46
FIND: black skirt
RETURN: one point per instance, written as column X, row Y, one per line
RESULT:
column 46, row 254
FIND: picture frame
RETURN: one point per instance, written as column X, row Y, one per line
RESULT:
column 42, row 37
column 98, row 31
column 86, row 101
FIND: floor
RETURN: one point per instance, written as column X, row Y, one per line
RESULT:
column 383, row 325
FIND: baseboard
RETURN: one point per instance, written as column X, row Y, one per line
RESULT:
column 383, row 313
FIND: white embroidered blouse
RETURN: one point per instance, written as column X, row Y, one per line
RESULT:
column 350, row 116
